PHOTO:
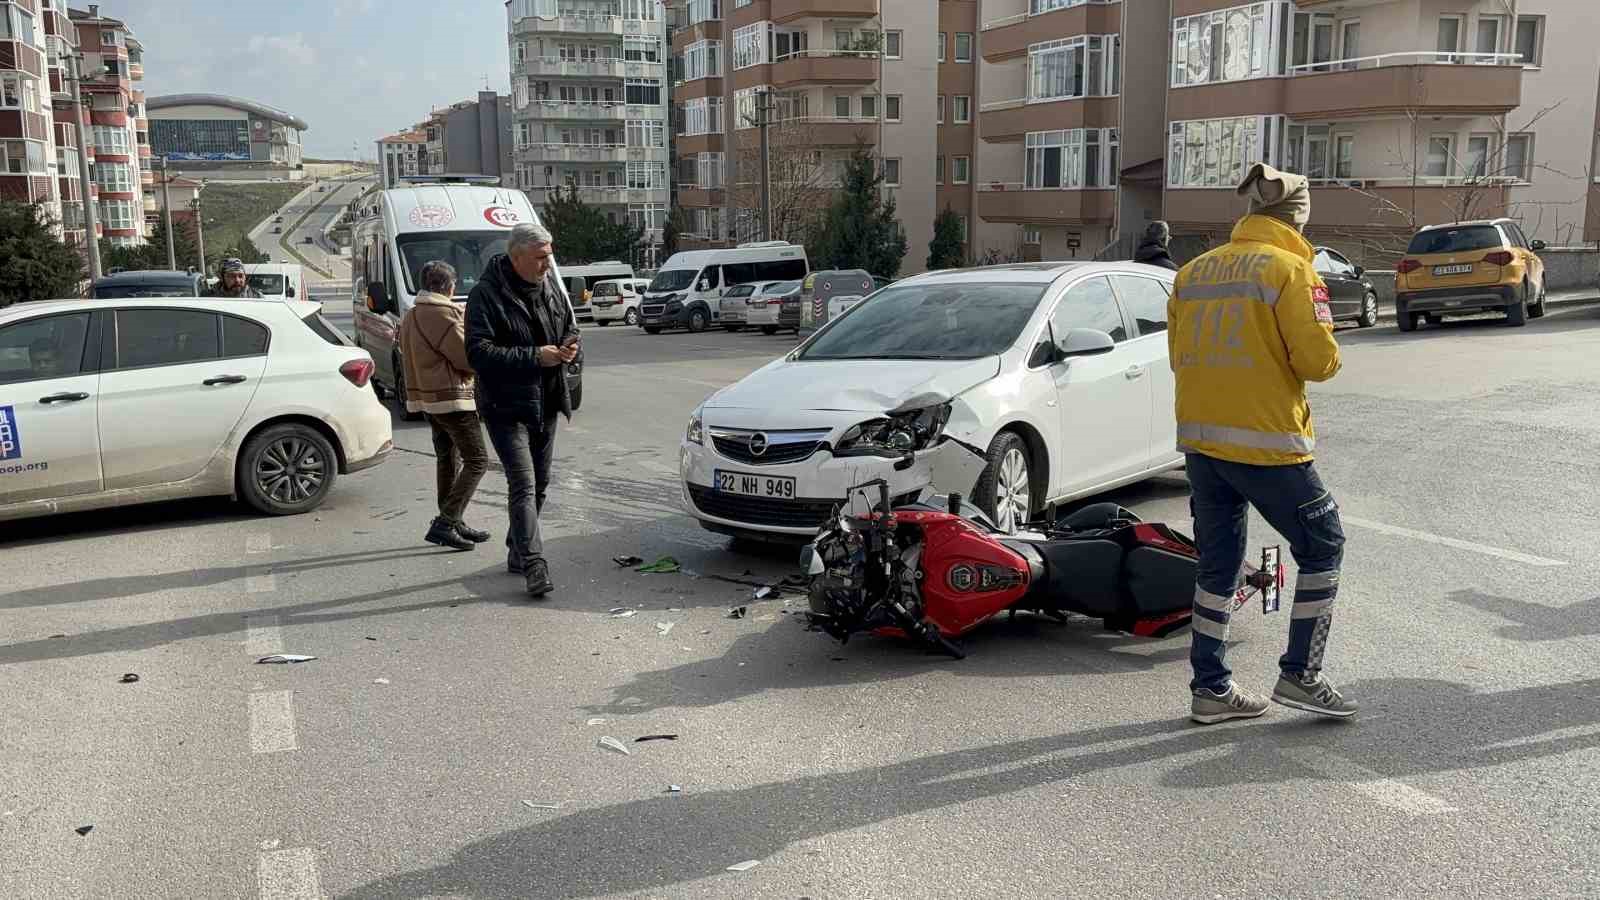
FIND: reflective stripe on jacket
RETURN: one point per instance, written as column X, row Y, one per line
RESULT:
column 1249, row 325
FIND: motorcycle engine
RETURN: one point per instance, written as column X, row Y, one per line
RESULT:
column 861, row 569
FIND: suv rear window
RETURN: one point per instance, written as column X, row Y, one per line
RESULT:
column 1456, row 240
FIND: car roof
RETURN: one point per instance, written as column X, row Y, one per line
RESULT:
column 148, row 276
column 1027, row 273
column 1468, row 224
column 213, row 304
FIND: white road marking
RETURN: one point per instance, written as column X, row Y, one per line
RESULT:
column 263, row 638
column 1512, row 555
column 272, row 722
column 1386, row 791
column 288, row 875
column 259, row 580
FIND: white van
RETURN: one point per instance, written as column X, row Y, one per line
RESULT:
column 277, row 281
column 617, row 300
column 687, row 292
column 400, row 230
column 580, row 282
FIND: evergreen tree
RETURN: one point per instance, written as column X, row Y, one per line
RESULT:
column 670, row 231
column 584, row 235
column 34, row 263
column 859, row 230
column 946, row 250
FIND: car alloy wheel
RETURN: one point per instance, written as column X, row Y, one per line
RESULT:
column 1013, row 497
column 291, row 470
column 1369, row 311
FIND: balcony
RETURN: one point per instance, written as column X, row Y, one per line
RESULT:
column 571, row 23
column 693, row 195
column 1417, row 83
column 826, row 67
column 590, row 153
column 593, row 112
column 604, row 196
column 1009, row 38
column 589, row 68
column 1387, row 204
column 789, row 10
column 815, row 131
column 1012, row 202
column 1008, row 121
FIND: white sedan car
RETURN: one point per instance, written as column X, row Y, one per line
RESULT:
column 115, row 402
column 1055, row 373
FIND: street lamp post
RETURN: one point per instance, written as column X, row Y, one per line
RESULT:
column 166, row 206
column 199, row 229
column 91, row 217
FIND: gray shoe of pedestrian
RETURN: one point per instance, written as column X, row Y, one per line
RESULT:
column 537, row 577
column 1210, row 707
column 1314, row 694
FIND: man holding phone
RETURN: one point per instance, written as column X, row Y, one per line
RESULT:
column 520, row 337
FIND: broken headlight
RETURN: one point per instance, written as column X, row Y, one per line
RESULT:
column 897, row 434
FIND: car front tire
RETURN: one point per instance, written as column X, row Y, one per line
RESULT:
column 698, row 320
column 1369, row 311
column 287, row 470
column 1005, row 491
column 769, row 329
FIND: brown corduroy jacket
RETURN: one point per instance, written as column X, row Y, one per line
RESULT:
column 433, row 349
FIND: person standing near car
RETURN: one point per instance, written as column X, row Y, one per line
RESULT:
column 439, row 384
column 520, row 338
column 1250, row 325
column 1153, row 250
column 232, row 282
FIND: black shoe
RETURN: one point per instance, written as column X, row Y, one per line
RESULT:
column 471, row 534
column 538, row 578
column 445, row 535
column 513, row 566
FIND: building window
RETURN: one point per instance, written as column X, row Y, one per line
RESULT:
column 963, row 221
column 1530, row 40
column 704, row 11
column 1030, row 234
column 869, row 106
column 891, row 44
column 709, row 170
column 891, row 107
column 744, row 107
column 963, row 47
column 647, row 133
column 1449, row 41
column 841, row 107
column 1441, row 156
column 702, row 116
column 961, row 170
column 891, row 172
column 647, row 176
column 1070, row 159
column 1344, row 152
column 648, row 216
column 938, row 170
column 750, row 45
column 640, row 10
column 23, row 157
column 111, row 38
column 114, row 177
column 643, row 91
column 1489, row 28
column 1084, row 66
column 636, row 48
column 942, row 38
column 963, row 110
column 1519, row 156
column 116, row 213
column 1215, row 152
column 938, row 110
column 18, row 90
column 702, row 59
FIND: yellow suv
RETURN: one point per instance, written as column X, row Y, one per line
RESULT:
column 1470, row 267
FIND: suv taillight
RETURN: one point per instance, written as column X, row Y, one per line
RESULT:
column 1499, row 257
column 357, row 371
column 1407, row 265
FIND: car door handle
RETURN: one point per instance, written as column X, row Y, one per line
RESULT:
column 72, row 397
column 1133, row 372
column 224, row 379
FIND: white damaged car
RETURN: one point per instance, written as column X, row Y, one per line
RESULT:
column 1056, row 373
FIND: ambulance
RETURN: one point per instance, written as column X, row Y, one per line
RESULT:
column 464, row 221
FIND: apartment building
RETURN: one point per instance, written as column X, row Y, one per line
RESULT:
column 470, row 137
column 28, row 162
column 117, row 119
column 401, row 156
column 834, row 74
column 589, row 98
column 61, row 42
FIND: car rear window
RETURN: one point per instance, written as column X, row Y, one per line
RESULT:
column 607, row 289
column 1456, row 240
column 325, row 330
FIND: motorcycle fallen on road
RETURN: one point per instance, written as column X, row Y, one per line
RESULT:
column 936, row 568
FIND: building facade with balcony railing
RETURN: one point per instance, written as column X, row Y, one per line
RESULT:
column 108, row 49
column 29, row 77
column 589, row 100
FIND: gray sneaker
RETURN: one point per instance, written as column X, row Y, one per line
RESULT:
column 1314, row 694
column 1210, row 707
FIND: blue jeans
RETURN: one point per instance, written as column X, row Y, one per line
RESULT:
column 525, row 447
column 1297, row 506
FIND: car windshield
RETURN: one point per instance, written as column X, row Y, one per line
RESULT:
column 266, row 284
column 468, row 251
column 124, row 291
column 673, row 280
column 931, row 321
column 1455, row 240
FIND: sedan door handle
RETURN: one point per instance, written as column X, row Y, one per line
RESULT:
column 1133, row 372
column 64, row 398
column 224, row 379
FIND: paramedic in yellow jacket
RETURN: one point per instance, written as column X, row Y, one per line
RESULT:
column 1250, row 325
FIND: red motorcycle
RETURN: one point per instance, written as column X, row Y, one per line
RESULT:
column 934, row 570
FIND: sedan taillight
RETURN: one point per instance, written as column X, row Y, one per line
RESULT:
column 1499, row 257
column 1407, row 265
column 357, row 371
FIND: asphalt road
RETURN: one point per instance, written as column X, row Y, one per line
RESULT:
column 1055, row 761
column 318, row 210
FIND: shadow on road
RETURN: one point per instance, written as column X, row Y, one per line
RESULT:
column 1559, row 321
column 1536, row 621
column 658, row 842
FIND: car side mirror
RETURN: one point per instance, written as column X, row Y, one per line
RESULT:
column 378, row 297
column 1085, row 342
column 1360, row 271
column 1537, row 245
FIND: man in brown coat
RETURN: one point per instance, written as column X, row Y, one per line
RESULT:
column 439, row 384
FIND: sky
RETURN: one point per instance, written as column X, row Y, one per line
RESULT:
column 354, row 70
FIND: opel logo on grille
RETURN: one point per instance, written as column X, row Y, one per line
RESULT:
column 758, row 444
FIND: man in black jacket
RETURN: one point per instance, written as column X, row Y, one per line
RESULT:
column 520, row 337
column 1153, row 249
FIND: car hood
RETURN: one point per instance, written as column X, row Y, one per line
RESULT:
column 786, row 387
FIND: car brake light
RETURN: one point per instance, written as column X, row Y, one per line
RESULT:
column 1407, row 265
column 1499, row 257
column 357, row 371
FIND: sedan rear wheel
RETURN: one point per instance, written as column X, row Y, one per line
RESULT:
column 1369, row 311
column 287, row 470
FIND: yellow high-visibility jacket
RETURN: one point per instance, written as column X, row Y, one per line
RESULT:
column 1248, row 326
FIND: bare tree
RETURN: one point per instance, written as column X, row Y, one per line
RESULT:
column 803, row 179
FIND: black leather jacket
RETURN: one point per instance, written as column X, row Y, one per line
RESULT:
column 1155, row 254
column 503, row 341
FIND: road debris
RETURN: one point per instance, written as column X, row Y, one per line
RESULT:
column 762, row 593
column 610, row 743
column 745, row 866
column 655, row 737
column 380, row 681
column 84, row 829
column 595, row 721
column 532, row 805
column 674, row 789
column 664, row 628
column 626, row 561
column 737, row 612
column 622, row 613
column 666, row 565
column 285, row 658
column 129, row 678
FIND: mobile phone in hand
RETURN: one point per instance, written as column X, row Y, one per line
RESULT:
column 570, row 342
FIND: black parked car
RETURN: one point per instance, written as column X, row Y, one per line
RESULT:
column 148, row 283
column 1351, row 296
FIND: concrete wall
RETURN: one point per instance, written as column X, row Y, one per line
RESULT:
column 1560, row 92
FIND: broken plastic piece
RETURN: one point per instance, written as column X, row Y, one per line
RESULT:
column 285, row 658
column 737, row 612
column 380, row 681
column 623, row 614
column 626, row 561
column 532, row 805
column 664, row 628
column 763, row 593
column 129, row 678
column 610, row 743
column 84, row 829
column 655, row 737
column 595, row 721
column 674, row 789
column 745, row 866
column 666, row 565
